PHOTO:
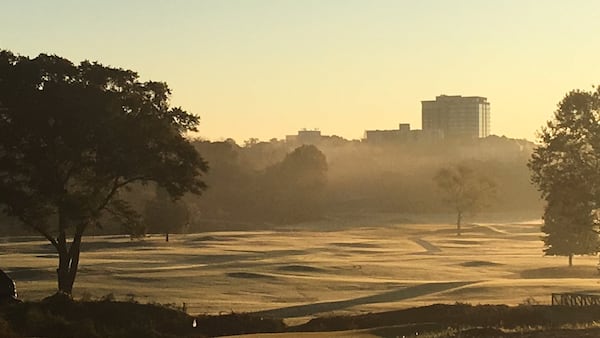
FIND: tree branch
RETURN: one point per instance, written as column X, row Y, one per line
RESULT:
column 41, row 231
column 115, row 188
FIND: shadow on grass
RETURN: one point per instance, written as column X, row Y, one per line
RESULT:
column 561, row 272
column 391, row 296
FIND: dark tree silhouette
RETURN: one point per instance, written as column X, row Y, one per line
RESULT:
column 163, row 214
column 295, row 186
column 565, row 166
column 466, row 190
column 73, row 136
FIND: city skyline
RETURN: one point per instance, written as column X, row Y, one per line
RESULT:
column 267, row 68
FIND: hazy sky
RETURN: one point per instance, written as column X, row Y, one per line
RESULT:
column 267, row 68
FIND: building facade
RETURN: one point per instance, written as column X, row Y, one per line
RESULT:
column 457, row 116
column 305, row 137
column 401, row 135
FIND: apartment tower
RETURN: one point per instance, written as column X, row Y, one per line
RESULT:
column 457, row 116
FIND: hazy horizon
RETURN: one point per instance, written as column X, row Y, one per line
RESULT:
column 269, row 68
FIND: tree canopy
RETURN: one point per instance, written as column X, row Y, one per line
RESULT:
column 565, row 166
column 465, row 190
column 296, row 185
column 73, row 136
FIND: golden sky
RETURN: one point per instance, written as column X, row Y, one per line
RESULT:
column 267, row 68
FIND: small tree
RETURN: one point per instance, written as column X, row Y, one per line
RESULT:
column 465, row 190
column 163, row 214
column 565, row 167
column 72, row 137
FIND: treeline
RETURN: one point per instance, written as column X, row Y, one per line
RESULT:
column 259, row 182
column 263, row 184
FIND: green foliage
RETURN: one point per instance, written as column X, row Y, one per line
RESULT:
column 570, row 227
column 73, row 136
column 566, row 169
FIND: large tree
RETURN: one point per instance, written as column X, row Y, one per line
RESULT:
column 565, row 166
column 465, row 190
column 73, row 136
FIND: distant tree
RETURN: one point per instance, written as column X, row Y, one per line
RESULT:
column 295, row 186
column 465, row 190
column 565, row 167
column 251, row 142
column 73, row 136
column 165, row 215
column 232, row 184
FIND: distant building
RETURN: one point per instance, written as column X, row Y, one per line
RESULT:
column 457, row 116
column 305, row 137
column 401, row 135
column 389, row 136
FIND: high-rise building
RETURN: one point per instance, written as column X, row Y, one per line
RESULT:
column 457, row 116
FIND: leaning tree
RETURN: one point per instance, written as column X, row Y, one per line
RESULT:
column 73, row 136
column 565, row 166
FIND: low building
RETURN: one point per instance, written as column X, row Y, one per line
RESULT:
column 401, row 135
column 305, row 137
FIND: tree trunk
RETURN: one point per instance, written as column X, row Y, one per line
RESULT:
column 570, row 259
column 68, row 260
column 458, row 222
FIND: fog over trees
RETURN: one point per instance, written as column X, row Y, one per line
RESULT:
column 360, row 178
column 465, row 190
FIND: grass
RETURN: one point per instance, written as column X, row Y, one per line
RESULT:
column 375, row 265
